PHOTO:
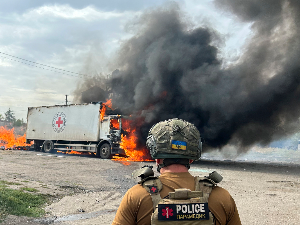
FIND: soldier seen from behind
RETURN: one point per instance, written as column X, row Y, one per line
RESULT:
column 176, row 197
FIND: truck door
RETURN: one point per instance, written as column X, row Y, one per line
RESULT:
column 115, row 129
column 105, row 129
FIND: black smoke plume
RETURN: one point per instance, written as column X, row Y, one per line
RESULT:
column 170, row 70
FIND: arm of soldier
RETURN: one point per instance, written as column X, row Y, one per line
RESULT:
column 223, row 207
column 126, row 213
column 135, row 208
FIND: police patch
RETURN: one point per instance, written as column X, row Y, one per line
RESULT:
column 179, row 145
column 191, row 211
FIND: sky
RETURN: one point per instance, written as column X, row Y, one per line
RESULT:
column 47, row 48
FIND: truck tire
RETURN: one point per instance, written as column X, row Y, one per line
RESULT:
column 105, row 151
column 48, row 146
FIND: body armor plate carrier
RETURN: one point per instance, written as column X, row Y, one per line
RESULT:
column 182, row 206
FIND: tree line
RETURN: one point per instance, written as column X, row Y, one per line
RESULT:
column 9, row 116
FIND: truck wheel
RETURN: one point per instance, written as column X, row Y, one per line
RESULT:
column 105, row 152
column 48, row 146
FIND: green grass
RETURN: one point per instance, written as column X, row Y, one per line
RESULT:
column 20, row 203
column 29, row 189
column 4, row 183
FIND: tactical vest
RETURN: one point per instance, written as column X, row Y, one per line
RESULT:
column 182, row 206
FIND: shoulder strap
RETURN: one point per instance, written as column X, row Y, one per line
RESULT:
column 153, row 186
column 205, row 185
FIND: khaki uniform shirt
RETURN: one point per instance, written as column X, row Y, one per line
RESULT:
column 136, row 206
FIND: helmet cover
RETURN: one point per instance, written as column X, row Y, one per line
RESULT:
column 174, row 138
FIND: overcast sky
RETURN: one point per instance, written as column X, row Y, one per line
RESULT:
column 47, row 47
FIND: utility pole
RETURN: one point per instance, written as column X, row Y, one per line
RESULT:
column 66, row 99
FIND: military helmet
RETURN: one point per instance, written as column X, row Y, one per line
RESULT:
column 174, row 138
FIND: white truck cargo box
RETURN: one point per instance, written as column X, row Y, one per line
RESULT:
column 64, row 122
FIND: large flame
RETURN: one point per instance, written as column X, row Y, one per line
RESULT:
column 8, row 139
column 128, row 140
column 108, row 103
column 129, row 144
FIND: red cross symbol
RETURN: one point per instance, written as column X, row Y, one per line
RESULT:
column 59, row 122
column 153, row 189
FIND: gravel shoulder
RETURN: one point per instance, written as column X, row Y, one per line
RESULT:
column 88, row 190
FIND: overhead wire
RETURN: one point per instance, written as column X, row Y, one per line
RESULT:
column 42, row 66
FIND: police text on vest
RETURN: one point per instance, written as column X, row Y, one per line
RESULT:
column 194, row 208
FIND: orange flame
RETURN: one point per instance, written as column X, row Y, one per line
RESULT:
column 129, row 144
column 9, row 139
column 72, row 152
column 108, row 103
column 114, row 123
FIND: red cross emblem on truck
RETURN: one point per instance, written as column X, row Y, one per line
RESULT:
column 59, row 122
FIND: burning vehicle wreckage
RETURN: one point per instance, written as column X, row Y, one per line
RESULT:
column 90, row 128
column 10, row 141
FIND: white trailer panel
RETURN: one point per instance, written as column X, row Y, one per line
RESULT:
column 65, row 122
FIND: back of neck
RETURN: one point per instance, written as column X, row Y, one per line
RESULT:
column 174, row 168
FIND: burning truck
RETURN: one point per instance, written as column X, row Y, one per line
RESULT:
column 75, row 127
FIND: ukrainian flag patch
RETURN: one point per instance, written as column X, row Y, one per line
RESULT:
column 179, row 145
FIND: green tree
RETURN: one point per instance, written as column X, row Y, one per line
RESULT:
column 18, row 123
column 1, row 117
column 9, row 116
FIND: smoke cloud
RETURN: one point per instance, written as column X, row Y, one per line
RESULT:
column 170, row 69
